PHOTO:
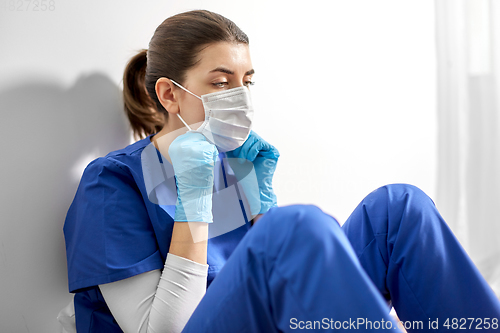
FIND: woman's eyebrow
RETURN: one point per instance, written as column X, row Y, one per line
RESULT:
column 230, row 72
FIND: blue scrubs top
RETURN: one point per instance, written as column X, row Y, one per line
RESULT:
column 120, row 225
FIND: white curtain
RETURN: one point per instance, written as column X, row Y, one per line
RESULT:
column 468, row 189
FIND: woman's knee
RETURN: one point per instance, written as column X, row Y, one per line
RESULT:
column 303, row 225
column 399, row 195
column 299, row 218
column 292, row 235
column 400, row 203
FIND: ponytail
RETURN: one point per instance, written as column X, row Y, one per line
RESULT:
column 139, row 107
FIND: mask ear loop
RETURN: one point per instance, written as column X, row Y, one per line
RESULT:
column 178, row 85
column 178, row 115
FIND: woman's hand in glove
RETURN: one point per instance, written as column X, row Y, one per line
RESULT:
column 256, row 183
column 193, row 159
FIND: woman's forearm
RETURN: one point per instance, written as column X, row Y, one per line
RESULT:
column 190, row 240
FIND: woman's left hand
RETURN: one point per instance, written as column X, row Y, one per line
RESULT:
column 263, row 157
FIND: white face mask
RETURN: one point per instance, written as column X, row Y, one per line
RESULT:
column 228, row 117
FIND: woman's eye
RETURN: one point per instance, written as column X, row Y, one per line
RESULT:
column 224, row 84
column 220, row 84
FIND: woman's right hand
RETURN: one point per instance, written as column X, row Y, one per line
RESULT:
column 193, row 159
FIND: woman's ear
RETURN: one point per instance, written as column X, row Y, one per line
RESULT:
column 165, row 92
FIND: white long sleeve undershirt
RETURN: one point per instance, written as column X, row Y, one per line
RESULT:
column 156, row 301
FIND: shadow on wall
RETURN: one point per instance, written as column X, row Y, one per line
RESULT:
column 49, row 135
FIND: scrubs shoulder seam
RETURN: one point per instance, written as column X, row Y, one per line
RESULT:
column 116, row 164
column 140, row 149
column 115, row 158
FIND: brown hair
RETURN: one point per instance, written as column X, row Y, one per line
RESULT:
column 173, row 50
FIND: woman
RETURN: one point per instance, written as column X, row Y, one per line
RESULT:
column 144, row 246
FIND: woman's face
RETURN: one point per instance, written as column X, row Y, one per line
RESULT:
column 221, row 66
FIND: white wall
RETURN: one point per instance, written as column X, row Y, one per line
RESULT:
column 346, row 91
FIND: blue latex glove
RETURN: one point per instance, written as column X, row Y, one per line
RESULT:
column 193, row 159
column 255, row 162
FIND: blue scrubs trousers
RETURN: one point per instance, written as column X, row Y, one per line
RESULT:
column 296, row 269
